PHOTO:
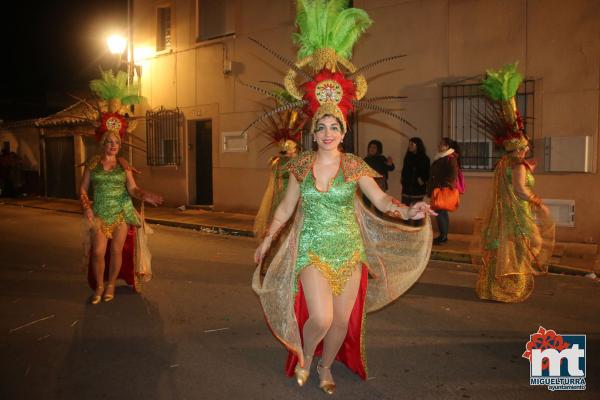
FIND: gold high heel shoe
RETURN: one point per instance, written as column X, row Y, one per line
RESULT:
column 109, row 297
column 302, row 373
column 324, row 384
column 96, row 297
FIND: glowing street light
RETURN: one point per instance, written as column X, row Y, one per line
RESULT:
column 116, row 44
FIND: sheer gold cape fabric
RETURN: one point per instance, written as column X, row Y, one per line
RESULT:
column 516, row 243
column 397, row 255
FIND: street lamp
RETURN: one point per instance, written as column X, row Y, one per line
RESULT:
column 116, row 44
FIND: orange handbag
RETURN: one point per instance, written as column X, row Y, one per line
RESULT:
column 445, row 199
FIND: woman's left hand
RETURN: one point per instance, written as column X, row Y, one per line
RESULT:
column 419, row 210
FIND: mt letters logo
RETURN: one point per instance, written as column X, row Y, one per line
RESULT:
column 556, row 361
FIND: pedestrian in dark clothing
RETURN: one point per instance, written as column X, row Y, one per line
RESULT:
column 443, row 173
column 415, row 172
column 380, row 163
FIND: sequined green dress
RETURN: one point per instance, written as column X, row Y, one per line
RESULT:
column 112, row 203
column 334, row 232
column 330, row 239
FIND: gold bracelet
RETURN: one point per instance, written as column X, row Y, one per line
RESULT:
column 139, row 193
column 535, row 200
column 397, row 202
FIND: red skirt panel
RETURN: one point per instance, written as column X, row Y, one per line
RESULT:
column 352, row 351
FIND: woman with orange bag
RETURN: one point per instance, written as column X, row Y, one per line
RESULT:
column 441, row 187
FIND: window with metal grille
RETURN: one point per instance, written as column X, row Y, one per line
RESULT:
column 461, row 103
column 163, row 130
column 216, row 19
column 163, row 28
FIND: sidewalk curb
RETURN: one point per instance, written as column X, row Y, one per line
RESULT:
column 3, row 203
column 213, row 229
column 436, row 254
column 466, row 260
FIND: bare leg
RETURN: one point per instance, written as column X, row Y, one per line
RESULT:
column 319, row 301
column 342, row 308
column 536, row 242
column 98, row 252
column 116, row 257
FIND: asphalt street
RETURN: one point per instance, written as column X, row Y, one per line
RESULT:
column 197, row 331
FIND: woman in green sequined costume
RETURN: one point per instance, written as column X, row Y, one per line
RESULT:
column 517, row 235
column 336, row 260
column 516, row 244
column 330, row 248
column 112, row 212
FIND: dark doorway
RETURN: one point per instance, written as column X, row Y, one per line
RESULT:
column 204, row 182
column 60, row 167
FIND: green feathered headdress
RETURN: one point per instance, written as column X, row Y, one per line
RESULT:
column 329, row 24
column 115, row 87
column 501, row 121
column 502, row 85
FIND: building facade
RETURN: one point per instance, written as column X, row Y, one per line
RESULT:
column 193, row 55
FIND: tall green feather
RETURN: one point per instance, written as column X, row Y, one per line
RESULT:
column 112, row 86
column 328, row 24
column 503, row 84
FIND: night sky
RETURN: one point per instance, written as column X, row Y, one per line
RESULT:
column 54, row 48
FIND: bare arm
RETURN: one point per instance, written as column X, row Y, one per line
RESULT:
column 85, row 182
column 135, row 191
column 132, row 187
column 380, row 199
column 390, row 205
column 284, row 212
column 83, row 195
column 286, row 208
